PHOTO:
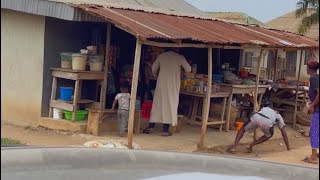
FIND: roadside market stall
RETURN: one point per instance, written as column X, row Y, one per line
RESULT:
column 166, row 30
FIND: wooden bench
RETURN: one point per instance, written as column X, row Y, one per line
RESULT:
column 94, row 120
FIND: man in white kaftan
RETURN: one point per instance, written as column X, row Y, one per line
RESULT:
column 166, row 96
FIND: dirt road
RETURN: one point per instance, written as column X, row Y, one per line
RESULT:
column 273, row 150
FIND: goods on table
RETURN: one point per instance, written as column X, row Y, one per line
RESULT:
column 96, row 62
column 66, row 93
column 248, row 82
column 79, row 116
column 66, row 60
column 229, row 76
column 57, row 113
column 243, row 73
column 217, row 78
column 79, row 61
column 235, row 81
column 194, row 68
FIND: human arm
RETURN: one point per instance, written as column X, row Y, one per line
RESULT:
column 185, row 65
column 115, row 101
column 114, row 104
column 314, row 102
column 314, row 88
column 281, row 125
column 155, row 67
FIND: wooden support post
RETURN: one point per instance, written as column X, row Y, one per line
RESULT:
column 297, row 92
column 53, row 94
column 106, row 70
column 135, row 77
column 275, row 66
column 76, row 99
column 223, row 112
column 256, row 91
column 206, row 107
column 227, row 124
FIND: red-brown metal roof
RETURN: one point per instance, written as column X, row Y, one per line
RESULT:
column 152, row 25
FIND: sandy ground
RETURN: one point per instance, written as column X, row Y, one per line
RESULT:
column 217, row 142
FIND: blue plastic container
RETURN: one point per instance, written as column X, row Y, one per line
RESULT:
column 217, row 78
column 66, row 93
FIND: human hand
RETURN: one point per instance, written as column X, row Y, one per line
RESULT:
column 310, row 107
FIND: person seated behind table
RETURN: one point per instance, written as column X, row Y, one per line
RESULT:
column 265, row 119
column 123, row 111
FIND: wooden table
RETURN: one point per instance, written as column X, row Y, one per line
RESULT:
column 280, row 89
column 232, row 89
column 196, row 100
column 78, row 77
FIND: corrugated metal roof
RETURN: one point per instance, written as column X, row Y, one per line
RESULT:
column 152, row 25
column 236, row 17
column 170, row 7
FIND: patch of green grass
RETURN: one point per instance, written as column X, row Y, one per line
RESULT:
column 9, row 141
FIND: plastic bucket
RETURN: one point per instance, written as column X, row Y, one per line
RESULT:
column 96, row 66
column 79, row 61
column 238, row 126
column 80, row 115
column 57, row 113
column 66, row 93
column 66, row 60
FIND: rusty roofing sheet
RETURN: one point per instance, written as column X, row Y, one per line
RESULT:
column 152, row 25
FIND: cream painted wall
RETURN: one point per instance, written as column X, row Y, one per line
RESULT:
column 22, row 52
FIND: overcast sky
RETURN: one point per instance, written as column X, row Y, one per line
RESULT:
column 263, row 10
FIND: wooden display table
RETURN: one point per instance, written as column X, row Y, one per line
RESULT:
column 242, row 90
column 281, row 89
column 196, row 99
column 77, row 76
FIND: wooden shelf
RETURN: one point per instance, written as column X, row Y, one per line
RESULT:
column 77, row 75
column 81, row 101
column 61, row 105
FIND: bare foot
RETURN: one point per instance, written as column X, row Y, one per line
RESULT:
column 249, row 149
column 309, row 160
column 231, row 150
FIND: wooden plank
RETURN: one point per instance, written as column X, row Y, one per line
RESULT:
column 206, row 102
column 90, row 76
column 53, row 94
column 75, row 99
column 195, row 109
column 106, row 69
column 93, row 123
column 64, row 75
column 160, row 44
column 256, row 91
column 137, row 118
column 135, row 77
column 61, row 105
column 78, row 75
column 297, row 92
column 223, row 111
column 275, row 65
column 228, row 112
column 213, row 95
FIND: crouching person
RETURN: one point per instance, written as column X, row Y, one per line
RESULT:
column 265, row 119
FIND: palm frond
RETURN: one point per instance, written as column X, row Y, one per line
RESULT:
column 304, row 6
column 308, row 22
